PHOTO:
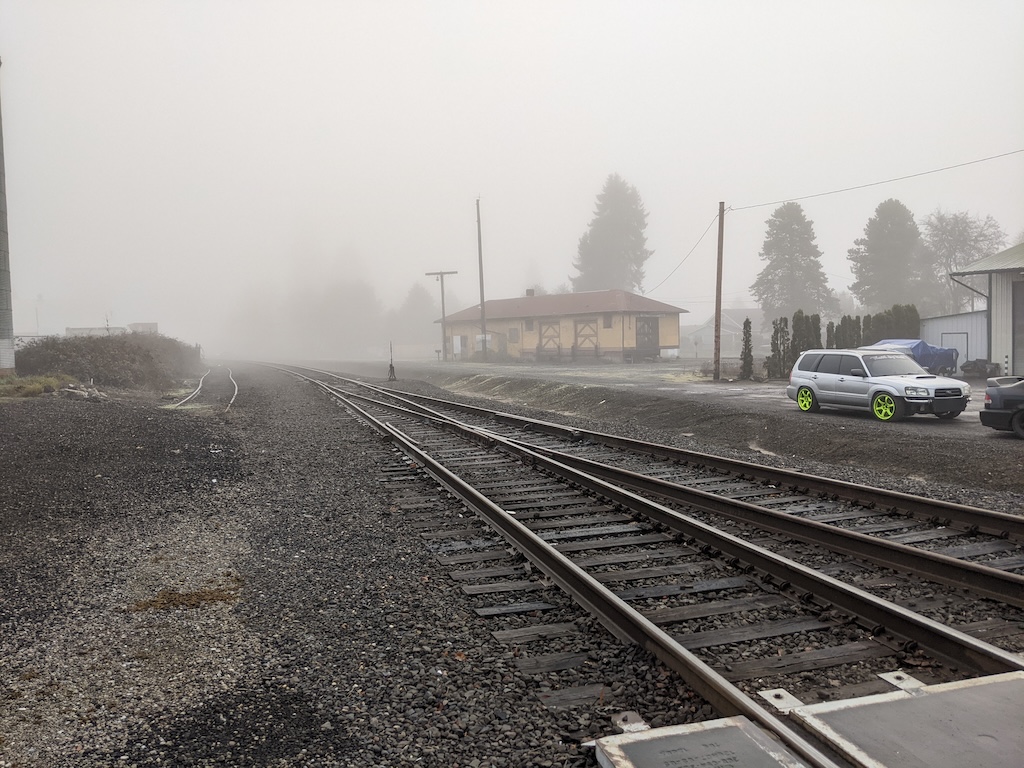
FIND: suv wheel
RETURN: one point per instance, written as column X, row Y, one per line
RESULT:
column 805, row 400
column 948, row 414
column 1017, row 423
column 887, row 407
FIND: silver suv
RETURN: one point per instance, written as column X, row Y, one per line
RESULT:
column 891, row 384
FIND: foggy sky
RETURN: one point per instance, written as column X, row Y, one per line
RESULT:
column 176, row 161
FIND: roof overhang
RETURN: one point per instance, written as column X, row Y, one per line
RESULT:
column 1009, row 261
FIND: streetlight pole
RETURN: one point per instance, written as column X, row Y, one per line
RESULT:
column 444, row 333
column 480, row 253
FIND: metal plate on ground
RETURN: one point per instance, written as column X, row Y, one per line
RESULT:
column 580, row 696
column 731, row 741
column 975, row 723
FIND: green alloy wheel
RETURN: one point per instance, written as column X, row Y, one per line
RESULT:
column 886, row 407
column 805, row 400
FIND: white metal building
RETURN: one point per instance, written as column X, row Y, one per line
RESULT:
column 1005, row 271
column 967, row 333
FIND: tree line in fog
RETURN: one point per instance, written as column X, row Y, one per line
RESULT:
column 897, row 262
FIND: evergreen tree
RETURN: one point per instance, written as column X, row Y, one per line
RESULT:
column 848, row 332
column 806, row 334
column 777, row 361
column 891, row 263
column 612, row 252
column 906, row 322
column 815, row 332
column 792, row 277
column 798, row 341
column 830, row 335
column 747, row 352
column 842, row 338
column 901, row 321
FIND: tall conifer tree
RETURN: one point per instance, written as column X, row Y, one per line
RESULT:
column 890, row 263
column 792, row 277
column 612, row 252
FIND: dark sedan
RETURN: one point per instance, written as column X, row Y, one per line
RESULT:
column 1004, row 404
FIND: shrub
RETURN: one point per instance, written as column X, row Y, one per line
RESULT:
column 32, row 386
column 747, row 353
column 129, row 361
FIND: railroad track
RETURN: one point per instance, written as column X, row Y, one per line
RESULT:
column 741, row 624
column 958, row 545
column 221, row 389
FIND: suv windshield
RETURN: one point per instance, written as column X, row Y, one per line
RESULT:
column 892, row 364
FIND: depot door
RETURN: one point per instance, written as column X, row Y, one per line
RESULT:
column 550, row 344
column 647, row 340
column 586, row 337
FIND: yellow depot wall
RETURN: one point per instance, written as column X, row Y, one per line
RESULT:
column 621, row 336
column 668, row 331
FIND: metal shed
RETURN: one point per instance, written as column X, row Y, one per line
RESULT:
column 967, row 333
column 1005, row 271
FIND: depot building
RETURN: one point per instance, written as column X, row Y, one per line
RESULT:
column 614, row 325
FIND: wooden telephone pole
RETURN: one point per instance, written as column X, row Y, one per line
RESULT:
column 6, row 311
column 718, row 293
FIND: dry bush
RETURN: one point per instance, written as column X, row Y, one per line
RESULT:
column 128, row 361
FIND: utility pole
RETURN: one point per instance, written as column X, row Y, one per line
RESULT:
column 444, row 333
column 718, row 293
column 480, row 253
column 6, row 306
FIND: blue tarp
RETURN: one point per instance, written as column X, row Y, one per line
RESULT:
column 935, row 359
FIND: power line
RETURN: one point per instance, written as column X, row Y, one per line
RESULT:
column 823, row 194
column 703, row 297
column 677, row 266
column 877, row 183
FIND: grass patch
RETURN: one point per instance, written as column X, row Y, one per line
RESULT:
column 171, row 599
column 32, row 386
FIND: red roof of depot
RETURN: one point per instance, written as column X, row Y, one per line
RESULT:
column 562, row 304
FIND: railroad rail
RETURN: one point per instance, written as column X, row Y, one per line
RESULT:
column 954, row 544
column 194, row 396
column 654, row 575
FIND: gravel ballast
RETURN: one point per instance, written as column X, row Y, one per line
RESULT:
column 193, row 587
